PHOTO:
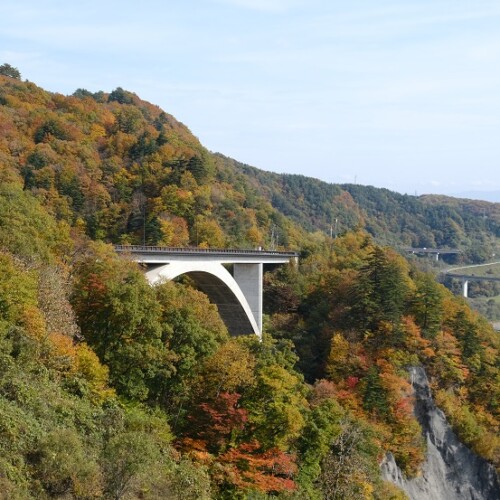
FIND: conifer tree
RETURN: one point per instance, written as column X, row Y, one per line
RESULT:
column 375, row 396
column 7, row 70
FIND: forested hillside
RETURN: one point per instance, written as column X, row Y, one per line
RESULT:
column 123, row 170
column 111, row 388
column 392, row 218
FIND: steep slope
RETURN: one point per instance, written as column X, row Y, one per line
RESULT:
column 120, row 169
column 450, row 469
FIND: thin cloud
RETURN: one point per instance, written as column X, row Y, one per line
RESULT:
column 269, row 6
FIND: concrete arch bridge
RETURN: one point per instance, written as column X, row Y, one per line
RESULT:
column 237, row 294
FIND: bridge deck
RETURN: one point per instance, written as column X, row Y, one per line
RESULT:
column 159, row 255
column 472, row 277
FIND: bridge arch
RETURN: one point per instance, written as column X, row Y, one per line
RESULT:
column 219, row 285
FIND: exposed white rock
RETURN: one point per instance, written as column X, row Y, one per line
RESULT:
column 451, row 471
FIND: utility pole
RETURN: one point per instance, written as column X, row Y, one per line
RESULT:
column 143, row 200
column 144, row 223
column 273, row 237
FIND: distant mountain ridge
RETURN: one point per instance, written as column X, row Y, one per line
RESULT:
column 392, row 218
column 491, row 196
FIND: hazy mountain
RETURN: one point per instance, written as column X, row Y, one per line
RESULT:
column 492, row 196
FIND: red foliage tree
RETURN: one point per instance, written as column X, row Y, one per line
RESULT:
column 217, row 422
column 248, row 467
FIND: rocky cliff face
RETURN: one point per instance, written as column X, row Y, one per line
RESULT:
column 451, row 471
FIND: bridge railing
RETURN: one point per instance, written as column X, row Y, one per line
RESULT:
column 197, row 250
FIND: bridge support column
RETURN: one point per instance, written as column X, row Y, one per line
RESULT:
column 249, row 278
column 465, row 288
column 437, row 256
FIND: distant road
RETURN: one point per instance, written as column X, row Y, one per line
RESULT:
column 472, row 277
column 453, row 269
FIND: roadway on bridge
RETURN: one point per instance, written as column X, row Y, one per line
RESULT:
column 473, row 266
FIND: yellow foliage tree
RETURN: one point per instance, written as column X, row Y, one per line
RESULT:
column 207, row 233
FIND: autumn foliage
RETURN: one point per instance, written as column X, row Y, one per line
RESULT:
column 111, row 388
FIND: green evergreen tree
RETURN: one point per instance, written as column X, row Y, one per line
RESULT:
column 381, row 292
column 374, row 394
column 7, row 70
column 426, row 305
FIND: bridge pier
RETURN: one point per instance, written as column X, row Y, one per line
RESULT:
column 250, row 278
column 465, row 288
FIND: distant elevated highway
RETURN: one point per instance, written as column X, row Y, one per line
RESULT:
column 433, row 251
column 465, row 278
column 238, row 296
column 459, row 273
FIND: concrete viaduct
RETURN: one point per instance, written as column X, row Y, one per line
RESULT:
column 465, row 278
column 238, row 295
column 460, row 273
column 433, row 251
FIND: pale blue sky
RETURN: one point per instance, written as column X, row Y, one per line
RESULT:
column 399, row 94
